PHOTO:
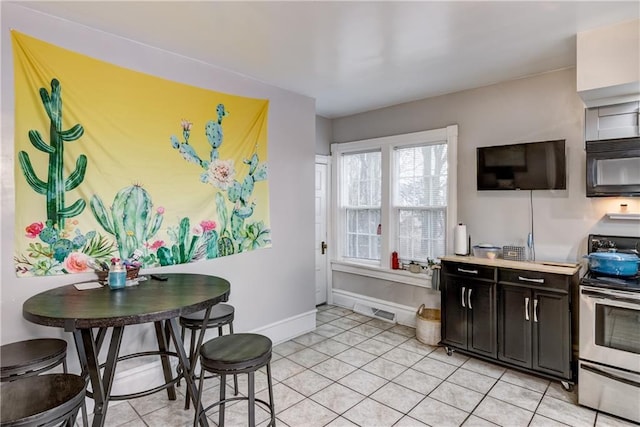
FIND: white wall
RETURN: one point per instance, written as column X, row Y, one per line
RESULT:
column 268, row 285
column 323, row 136
column 398, row 293
column 538, row 108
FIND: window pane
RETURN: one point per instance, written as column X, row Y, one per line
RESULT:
column 351, row 247
column 362, row 240
column 362, row 198
column 361, row 186
column 421, row 176
column 421, row 233
column 352, row 219
column 364, row 193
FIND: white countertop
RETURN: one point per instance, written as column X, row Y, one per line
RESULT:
column 567, row 269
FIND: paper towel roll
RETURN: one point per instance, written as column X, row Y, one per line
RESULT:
column 460, row 246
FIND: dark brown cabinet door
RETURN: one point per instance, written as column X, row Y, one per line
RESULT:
column 522, row 318
column 551, row 333
column 514, row 325
column 454, row 313
column 481, row 318
column 469, row 317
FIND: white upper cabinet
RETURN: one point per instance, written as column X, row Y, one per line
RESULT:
column 612, row 121
column 608, row 64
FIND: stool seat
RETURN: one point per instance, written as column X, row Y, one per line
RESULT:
column 31, row 357
column 235, row 352
column 232, row 355
column 41, row 400
column 221, row 314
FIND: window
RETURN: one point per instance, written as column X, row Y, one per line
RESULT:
column 395, row 194
column 420, row 201
column 361, row 192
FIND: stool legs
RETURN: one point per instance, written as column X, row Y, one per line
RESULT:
column 251, row 399
column 223, row 394
column 235, row 377
column 271, row 401
column 182, row 331
column 199, row 414
column 193, row 356
column 85, row 418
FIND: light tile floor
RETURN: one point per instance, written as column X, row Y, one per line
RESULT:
column 357, row 371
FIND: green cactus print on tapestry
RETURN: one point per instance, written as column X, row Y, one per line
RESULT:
column 189, row 247
column 236, row 232
column 56, row 186
column 129, row 219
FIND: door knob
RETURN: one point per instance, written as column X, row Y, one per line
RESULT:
column 323, row 246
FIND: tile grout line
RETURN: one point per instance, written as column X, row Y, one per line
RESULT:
column 342, row 314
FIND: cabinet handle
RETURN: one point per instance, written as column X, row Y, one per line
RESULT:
column 526, row 279
column 462, row 297
column 462, row 270
column 469, row 299
column 535, row 310
column 526, row 309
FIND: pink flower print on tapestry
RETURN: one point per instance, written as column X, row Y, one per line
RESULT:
column 77, row 262
column 208, row 225
column 34, row 229
column 186, row 124
column 155, row 245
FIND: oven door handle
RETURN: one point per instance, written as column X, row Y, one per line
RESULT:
column 609, row 375
column 610, row 297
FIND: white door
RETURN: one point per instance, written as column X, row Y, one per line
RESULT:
column 321, row 231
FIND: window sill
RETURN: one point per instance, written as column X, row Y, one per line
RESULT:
column 422, row 280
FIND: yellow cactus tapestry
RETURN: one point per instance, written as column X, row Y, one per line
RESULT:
column 114, row 163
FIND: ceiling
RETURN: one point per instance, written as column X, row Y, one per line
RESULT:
column 358, row 56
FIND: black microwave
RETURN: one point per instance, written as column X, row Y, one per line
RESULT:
column 613, row 167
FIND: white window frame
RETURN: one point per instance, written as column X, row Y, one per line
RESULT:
column 341, row 215
column 387, row 145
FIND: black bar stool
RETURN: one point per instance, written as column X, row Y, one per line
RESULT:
column 221, row 315
column 24, row 359
column 232, row 355
column 27, row 358
column 42, row 400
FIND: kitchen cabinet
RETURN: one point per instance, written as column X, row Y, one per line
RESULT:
column 519, row 317
column 534, row 322
column 468, row 308
column 607, row 61
column 612, row 121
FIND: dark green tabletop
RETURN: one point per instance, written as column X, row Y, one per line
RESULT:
column 150, row 301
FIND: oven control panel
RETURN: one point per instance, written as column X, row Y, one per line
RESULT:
column 601, row 243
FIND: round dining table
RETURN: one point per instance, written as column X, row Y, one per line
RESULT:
column 90, row 313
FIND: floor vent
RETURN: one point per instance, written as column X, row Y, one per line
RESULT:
column 387, row 316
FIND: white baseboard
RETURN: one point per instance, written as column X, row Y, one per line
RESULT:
column 405, row 315
column 286, row 329
column 148, row 375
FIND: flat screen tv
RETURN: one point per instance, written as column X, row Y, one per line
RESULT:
column 528, row 166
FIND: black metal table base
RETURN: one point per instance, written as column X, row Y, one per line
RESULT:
column 101, row 375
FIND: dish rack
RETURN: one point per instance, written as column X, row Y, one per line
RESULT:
column 514, row 253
